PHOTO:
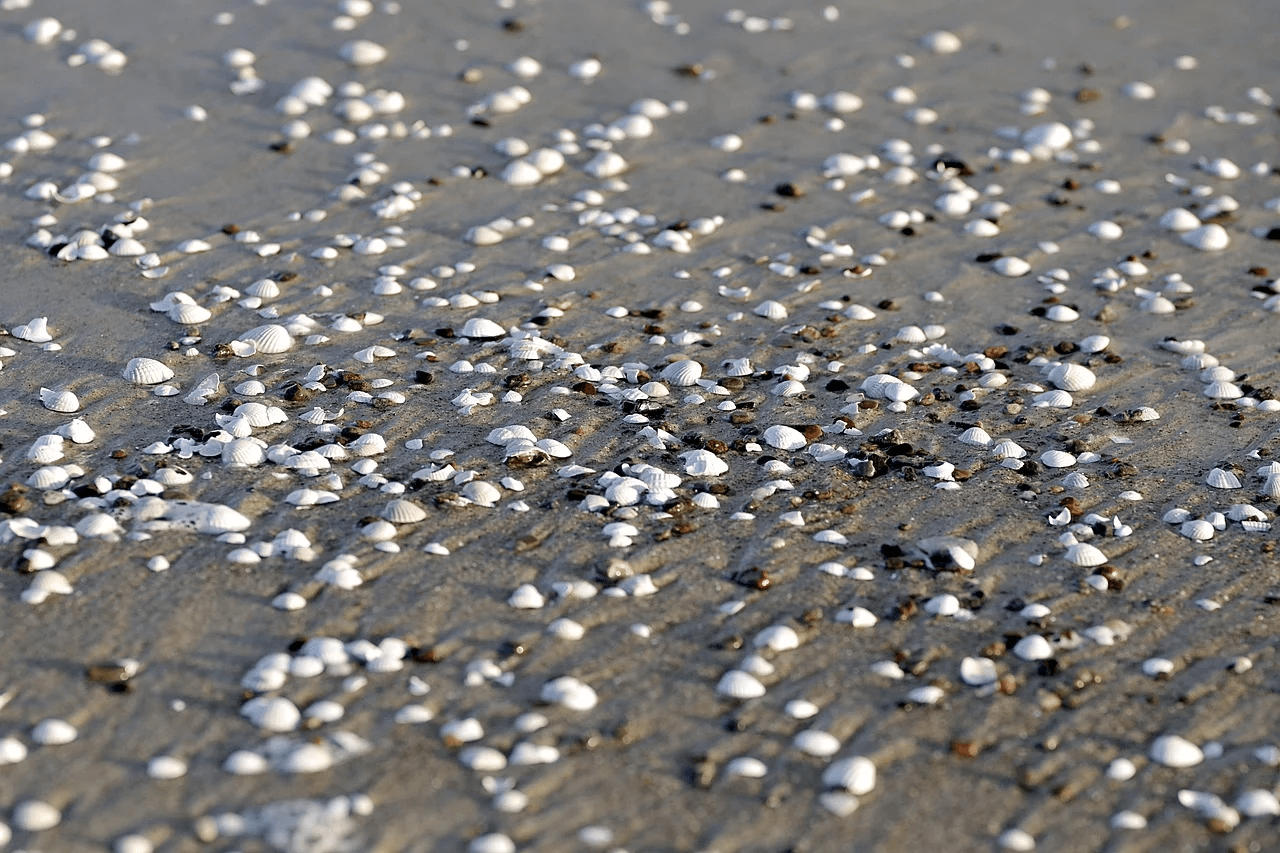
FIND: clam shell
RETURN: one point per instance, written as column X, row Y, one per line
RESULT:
column 1072, row 377
column 269, row 339
column 855, row 774
column 244, row 451
column 1220, row 478
column 369, row 444
column 481, row 493
column 1033, row 647
column 401, row 511
column 738, row 367
column 37, row 331
column 1084, row 554
column 683, row 372
column 700, row 463
column 737, row 684
column 189, row 314
column 1177, row 515
column 1057, row 459
column 859, row 312
column 59, row 401
column 1008, row 449
column 784, row 438
column 778, row 638
column 976, row 437
column 1197, row 529
column 77, row 431
column 1246, row 512
column 771, row 310
column 1175, row 751
column 816, row 742
column 480, row 329
column 1055, row 399
column 977, row 672
column 1271, row 488
column 146, row 371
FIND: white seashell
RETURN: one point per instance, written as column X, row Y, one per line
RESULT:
column 1197, row 529
column 37, row 331
column 1246, row 512
column 977, row 672
column 493, row 842
column 1223, row 390
column 1057, row 459
column 1258, row 802
column 977, row 437
column 54, row 732
column 480, row 329
column 1055, row 399
column 146, row 371
column 36, row 816
column 526, row 597
column 1177, row 515
column 737, row 684
column 1175, row 751
column 816, row 742
column 1207, row 238
column 273, row 714
column 1084, row 554
column 1008, row 449
column 778, row 638
column 746, row 767
column 59, row 401
column 1072, row 377
column 771, row 310
column 1220, row 478
column 856, row 774
column 361, row 52
column 369, row 444
column 189, row 314
column 269, row 339
column 402, row 511
column 784, row 438
column 569, row 692
column 684, row 372
column 1010, row 266
column 698, row 463
column 1033, row 647
column 1179, row 219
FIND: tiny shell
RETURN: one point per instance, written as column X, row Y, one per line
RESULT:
column 146, row 371
column 737, row 684
column 1175, row 751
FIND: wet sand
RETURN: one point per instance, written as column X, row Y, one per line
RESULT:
column 648, row 761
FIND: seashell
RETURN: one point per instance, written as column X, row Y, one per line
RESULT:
column 1220, row 478
column 244, row 451
column 1246, row 512
column 771, row 310
column 1084, row 554
column 189, row 314
column 1075, row 480
column 369, row 444
column 1197, row 529
column 36, row 815
column 977, row 672
column 49, row 477
column 269, row 339
column 1055, row 399
column 481, row 493
column 1177, row 515
column 402, row 511
column 737, row 684
column 37, row 331
column 778, row 638
column 900, row 392
column 1057, row 459
column 1072, row 377
column 59, row 401
column 1007, row 448
column 738, row 367
column 746, row 767
column 273, row 714
column 859, row 312
column 569, row 692
column 480, row 329
column 205, row 517
column 1094, row 343
column 1175, row 751
column 816, row 742
column 702, row 463
column 263, row 288
column 492, row 842
column 1179, row 219
column 1207, row 238
column 856, row 774
column 976, row 437
column 1223, row 390
column 146, row 371
column 174, row 476
column 789, row 388
column 911, row 335
column 77, row 431
column 784, row 438
column 1033, row 647
column 684, row 372
column 360, row 52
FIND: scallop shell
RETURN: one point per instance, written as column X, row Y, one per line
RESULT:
column 737, row 684
column 683, row 372
column 771, row 310
column 1057, row 459
column 1075, row 480
column 911, row 335
column 78, row 431
column 1084, row 554
column 369, row 444
column 699, row 463
column 784, row 438
column 269, row 339
column 146, row 371
column 263, row 288
column 480, row 329
column 1072, row 377
column 1223, row 390
column 1220, row 478
column 481, row 493
column 976, row 437
column 856, row 774
column 738, row 367
column 1007, row 448
column 59, row 401
column 401, row 511
column 1246, row 512
column 1197, row 529
column 1271, row 488
column 243, row 451
column 189, row 314
column 1055, row 399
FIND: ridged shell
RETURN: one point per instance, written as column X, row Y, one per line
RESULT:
column 78, row 431
column 481, row 329
column 683, row 372
column 859, row 312
column 911, row 335
column 401, row 511
column 1075, row 480
column 1177, row 515
column 1072, row 377
column 1055, row 399
column 243, row 451
column 481, row 493
column 699, row 463
column 1057, row 459
column 49, row 477
column 737, row 684
column 976, row 437
column 1220, row 478
column 1197, row 529
column 1007, row 448
column 59, row 401
column 263, row 288
column 172, row 476
column 369, row 444
column 146, row 371
column 269, row 339
column 1223, row 390
column 1084, row 554
column 856, row 774
column 738, row 367
column 1271, row 488
column 189, row 314
column 784, row 438
column 771, row 310
column 1245, row 512
column 1217, row 372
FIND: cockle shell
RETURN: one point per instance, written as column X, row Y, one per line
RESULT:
column 1197, row 529
column 269, row 339
column 481, row 493
column 146, row 371
column 784, row 437
column 1072, row 377
column 684, row 372
column 244, row 451
column 1084, row 554
column 189, row 314
column 481, row 329
column 1057, row 459
column 771, row 310
column 1220, row 478
column 855, row 774
column 698, row 463
column 737, row 684
column 977, row 437
column 1008, row 449
column 401, row 511
column 59, row 401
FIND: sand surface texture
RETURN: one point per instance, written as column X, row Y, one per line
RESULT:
column 594, row 425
